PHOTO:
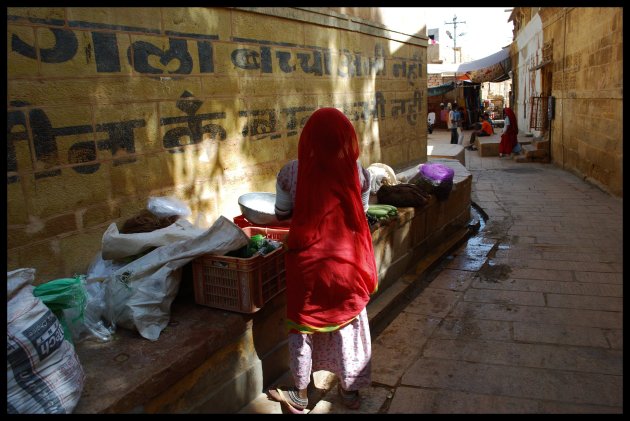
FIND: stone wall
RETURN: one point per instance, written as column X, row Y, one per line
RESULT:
column 585, row 47
column 110, row 106
column 434, row 79
column 587, row 134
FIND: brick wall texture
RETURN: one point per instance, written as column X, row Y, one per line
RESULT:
column 110, row 106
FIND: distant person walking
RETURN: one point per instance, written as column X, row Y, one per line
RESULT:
column 430, row 121
column 443, row 113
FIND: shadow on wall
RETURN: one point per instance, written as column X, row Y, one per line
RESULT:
column 206, row 105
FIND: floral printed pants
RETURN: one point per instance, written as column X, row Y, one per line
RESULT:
column 345, row 352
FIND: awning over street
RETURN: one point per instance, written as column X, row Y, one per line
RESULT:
column 440, row 89
column 446, row 87
column 493, row 68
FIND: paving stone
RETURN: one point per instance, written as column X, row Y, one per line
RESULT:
column 511, row 312
column 534, row 355
column 409, row 400
column 555, row 239
column 486, row 196
column 607, row 278
column 508, row 297
column 434, row 302
column 576, row 288
column 467, row 328
column 560, row 334
column 564, row 408
column 399, row 345
column 583, row 257
column 372, row 399
column 553, row 275
column 519, row 382
column 586, row 302
column 569, row 265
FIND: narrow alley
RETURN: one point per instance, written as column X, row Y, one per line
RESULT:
column 524, row 317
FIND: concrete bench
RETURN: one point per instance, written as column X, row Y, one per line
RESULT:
column 451, row 151
column 488, row 145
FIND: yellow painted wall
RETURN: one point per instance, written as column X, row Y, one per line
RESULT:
column 109, row 106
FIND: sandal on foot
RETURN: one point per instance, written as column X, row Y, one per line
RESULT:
column 350, row 398
column 290, row 398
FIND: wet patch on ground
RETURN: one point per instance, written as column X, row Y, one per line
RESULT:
column 497, row 228
column 494, row 273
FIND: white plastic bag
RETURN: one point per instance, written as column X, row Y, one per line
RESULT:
column 100, row 269
column 90, row 324
column 118, row 246
column 139, row 295
column 381, row 174
column 165, row 206
column 44, row 375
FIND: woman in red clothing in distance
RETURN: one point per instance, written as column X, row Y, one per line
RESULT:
column 509, row 138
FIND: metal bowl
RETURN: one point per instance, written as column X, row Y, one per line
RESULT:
column 258, row 207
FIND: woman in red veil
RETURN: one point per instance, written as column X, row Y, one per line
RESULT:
column 330, row 265
column 510, row 131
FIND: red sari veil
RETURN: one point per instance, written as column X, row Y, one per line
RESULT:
column 330, row 265
column 509, row 138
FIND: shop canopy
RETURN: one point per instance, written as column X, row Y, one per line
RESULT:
column 440, row 89
column 446, row 87
column 493, row 68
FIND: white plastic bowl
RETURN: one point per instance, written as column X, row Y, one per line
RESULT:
column 258, row 207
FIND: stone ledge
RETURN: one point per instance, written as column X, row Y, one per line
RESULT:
column 461, row 172
column 488, row 146
column 127, row 372
column 213, row 361
column 451, row 151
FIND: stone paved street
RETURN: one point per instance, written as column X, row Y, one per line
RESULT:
column 538, row 327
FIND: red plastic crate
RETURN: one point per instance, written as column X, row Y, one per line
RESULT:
column 243, row 222
column 238, row 284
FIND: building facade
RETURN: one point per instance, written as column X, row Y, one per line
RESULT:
column 568, row 87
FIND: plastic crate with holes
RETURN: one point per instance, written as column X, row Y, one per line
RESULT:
column 240, row 284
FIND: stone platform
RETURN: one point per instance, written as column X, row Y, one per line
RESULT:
column 442, row 150
column 488, row 145
column 209, row 360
